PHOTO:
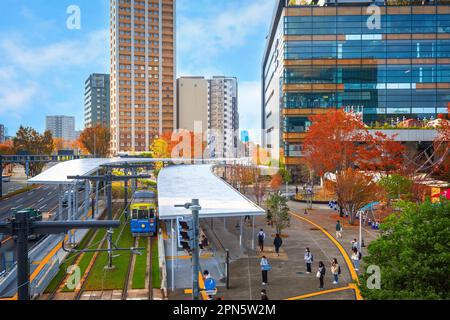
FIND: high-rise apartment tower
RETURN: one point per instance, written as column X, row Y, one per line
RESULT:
column 142, row 72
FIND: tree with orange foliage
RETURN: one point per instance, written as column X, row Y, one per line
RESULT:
column 329, row 144
column 338, row 140
column 381, row 153
column 442, row 149
column 276, row 182
column 6, row 148
column 96, row 140
column 355, row 190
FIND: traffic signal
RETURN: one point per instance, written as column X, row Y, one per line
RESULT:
column 185, row 233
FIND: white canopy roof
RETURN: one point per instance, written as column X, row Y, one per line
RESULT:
column 58, row 173
column 180, row 184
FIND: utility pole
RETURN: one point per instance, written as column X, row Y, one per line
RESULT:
column 21, row 227
column 195, row 207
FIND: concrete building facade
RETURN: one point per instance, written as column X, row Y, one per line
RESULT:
column 62, row 127
column 223, row 117
column 192, row 103
column 97, row 101
column 2, row 133
column 142, row 36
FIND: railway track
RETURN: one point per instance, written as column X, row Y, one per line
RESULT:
column 62, row 283
column 88, row 270
column 149, row 268
column 129, row 277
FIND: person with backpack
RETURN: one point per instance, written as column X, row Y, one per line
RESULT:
column 321, row 274
column 356, row 257
column 308, row 260
column 335, row 270
column 277, row 242
column 261, row 238
column 338, row 230
column 265, row 268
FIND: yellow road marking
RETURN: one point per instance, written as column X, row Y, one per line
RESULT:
column 318, row 293
column 201, row 284
column 341, row 249
column 186, row 257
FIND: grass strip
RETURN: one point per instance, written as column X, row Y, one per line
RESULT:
column 140, row 266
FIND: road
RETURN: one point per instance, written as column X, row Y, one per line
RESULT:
column 44, row 198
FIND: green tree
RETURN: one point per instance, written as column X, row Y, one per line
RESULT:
column 29, row 141
column 413, row 253
column 278, row 212
column 397, row 186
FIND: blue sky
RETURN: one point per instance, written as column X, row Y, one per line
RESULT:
column 43, row 64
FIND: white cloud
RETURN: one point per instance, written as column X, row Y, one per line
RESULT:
column 203, row 38
column 63, row 54
column 30, row 74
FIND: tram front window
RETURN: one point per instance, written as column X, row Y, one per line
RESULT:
column 141, row 214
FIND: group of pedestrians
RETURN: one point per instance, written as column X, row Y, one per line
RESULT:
column 321, row 271
column 335, row 268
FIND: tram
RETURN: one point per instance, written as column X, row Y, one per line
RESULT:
column 143, row 214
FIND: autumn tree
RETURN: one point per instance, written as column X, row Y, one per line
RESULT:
column 381, row 153
column 337, row 140
column 355, row 190
column 29, row 141
column 330, row 143
column 96, row 140
column 259, row 185
column 6, row 148
column 441, row 166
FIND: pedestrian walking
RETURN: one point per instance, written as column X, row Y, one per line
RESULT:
column 296, row 190
column 261, row 238
column 264, row 296
column 338, row 230
column 356, row 258
column 203, row 244
column 355, row 244
column 306, row 211
column 265, row 268
column 321, row 274
column 308, row 260
column 335, row 270
column 277, row 242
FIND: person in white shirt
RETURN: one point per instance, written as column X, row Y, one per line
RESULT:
column 308, row 260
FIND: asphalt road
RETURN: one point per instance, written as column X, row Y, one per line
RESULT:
column 43, row 198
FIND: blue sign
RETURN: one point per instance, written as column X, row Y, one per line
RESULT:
column 210, row 284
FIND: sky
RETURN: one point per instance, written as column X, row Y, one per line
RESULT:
column 44, row 64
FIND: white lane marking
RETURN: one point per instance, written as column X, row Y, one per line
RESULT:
column 19, row 200
column 40, row 200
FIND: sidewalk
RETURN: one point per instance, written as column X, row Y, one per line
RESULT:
column 288, row 278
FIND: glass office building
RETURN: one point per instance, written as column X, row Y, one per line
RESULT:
column 382, row 59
